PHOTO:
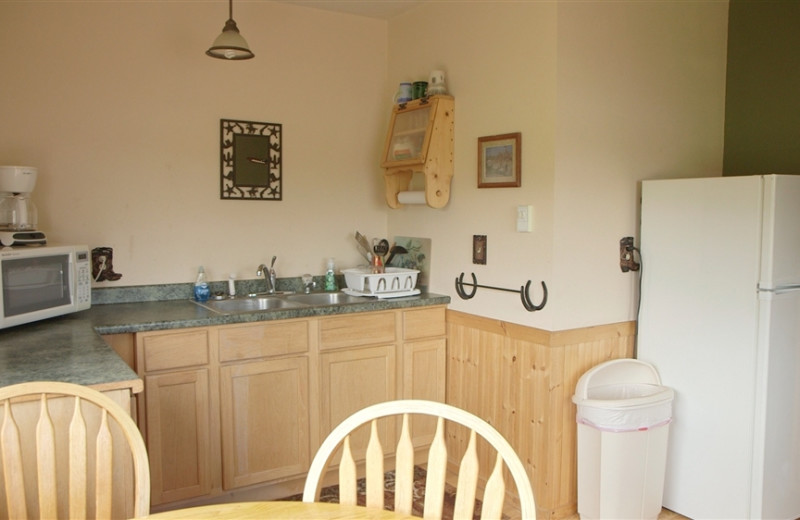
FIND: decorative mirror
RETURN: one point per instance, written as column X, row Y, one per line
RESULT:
column 250, row 167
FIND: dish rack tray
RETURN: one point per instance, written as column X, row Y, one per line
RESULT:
column 394, row 279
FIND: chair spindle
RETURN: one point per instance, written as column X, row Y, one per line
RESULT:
column 77, row 463
column 467, row 480
column 46, row 462
column 13, row 475
column 404, row 471
column 375, row 475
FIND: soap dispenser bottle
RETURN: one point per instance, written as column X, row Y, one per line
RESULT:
column 330, row 276
column 201, row 290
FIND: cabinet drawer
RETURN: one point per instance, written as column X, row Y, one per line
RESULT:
column 357, row 329
column 263, row 340
column 424, row 323
column 174, row 350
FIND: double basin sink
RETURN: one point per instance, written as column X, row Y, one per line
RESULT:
column 278, row 301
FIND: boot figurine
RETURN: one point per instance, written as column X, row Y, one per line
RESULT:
column 102, row 265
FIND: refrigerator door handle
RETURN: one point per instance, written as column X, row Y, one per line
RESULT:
column 780, row 288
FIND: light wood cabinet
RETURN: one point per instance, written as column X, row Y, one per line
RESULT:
column 232, row 407
column 124, row 345
column 353, row 379
column 423, row 365
column 357, row 368
column 178, row 434
column 178, row 417
column 264, row 402
column 420, row 139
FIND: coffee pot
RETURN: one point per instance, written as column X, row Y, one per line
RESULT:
column 17, row 211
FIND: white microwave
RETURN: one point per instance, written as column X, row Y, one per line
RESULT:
column 38, row 282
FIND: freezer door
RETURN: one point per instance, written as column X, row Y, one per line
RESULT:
column 780, row 264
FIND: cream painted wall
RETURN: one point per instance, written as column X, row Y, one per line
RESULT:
column 605, row 94
column 500, row 61
column 118, row 106
column 641, row 94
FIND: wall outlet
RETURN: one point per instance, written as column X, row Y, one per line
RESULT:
column 479, row 249
column 524, row 219
column 626, row 250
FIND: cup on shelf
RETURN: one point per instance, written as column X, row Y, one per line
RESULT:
column 403, row 94
column 419, row 89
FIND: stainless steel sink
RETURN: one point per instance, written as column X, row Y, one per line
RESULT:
column 333, row 298
column 255, row 304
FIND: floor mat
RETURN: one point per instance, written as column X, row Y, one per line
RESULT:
column 331, row 494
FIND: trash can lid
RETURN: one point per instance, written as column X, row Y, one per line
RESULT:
column 616, row 372
column 625, row 396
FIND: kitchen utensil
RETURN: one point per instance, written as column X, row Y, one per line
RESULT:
column 377, row 264
column 395, row 250
column 363, row 246
column 381, row 247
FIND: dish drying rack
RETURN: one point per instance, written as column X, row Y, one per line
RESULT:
column 394, row 282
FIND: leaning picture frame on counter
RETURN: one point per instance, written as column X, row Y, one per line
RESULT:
column 499, row 161
column 250, row 160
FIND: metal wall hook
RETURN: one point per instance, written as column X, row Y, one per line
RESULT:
column 524, row 292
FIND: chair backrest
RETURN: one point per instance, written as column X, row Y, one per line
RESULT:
column 69, row 451
column 468, row 473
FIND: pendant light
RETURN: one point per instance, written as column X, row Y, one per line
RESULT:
column 230, row 45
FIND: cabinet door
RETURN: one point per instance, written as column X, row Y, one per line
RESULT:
column 409, row 134
column 178, row 433
column 424, row 378
column 265, row 421
column 353, row 379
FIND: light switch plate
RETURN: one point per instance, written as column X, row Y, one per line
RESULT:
column 524, row 219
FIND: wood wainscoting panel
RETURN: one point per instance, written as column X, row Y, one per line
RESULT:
column 521, row 380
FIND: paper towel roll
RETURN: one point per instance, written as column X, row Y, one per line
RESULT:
column 411, row 197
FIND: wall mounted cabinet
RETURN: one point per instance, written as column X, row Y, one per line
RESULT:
column 420, row 139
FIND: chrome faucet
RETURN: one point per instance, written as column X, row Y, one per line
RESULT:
column 269, row 275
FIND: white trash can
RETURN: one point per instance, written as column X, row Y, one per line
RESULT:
column 623, row 425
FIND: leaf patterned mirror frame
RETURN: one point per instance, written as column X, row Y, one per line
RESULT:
column 250, row 160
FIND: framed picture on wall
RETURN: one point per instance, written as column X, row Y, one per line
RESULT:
column 250, row 160
column 499, row 164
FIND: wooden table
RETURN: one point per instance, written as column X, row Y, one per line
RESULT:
column 275, row 510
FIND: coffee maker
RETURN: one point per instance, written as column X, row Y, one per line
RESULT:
column 18, row 216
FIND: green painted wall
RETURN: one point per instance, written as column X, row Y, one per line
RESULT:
column 762, row 101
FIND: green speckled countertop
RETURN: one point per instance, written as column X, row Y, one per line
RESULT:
column 69, row 348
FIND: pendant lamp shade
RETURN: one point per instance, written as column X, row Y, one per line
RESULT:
column 230, row 45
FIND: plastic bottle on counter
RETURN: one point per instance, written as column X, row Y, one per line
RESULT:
column 330, row 276
column 201, row 290
column 231, row 285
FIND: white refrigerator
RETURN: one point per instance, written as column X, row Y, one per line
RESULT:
column 720, row 321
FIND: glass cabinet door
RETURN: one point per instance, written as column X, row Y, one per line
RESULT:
column 408, row 141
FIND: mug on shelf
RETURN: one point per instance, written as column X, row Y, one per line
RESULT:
column 403, row 93
column 419, row 89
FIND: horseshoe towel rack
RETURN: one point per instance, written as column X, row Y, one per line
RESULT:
column 524, row 292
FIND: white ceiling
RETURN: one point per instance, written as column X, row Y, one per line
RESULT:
column 384, row 9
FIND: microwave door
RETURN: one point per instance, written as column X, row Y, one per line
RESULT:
column 30, row 286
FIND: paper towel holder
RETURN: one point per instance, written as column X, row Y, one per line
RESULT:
column 420, row 140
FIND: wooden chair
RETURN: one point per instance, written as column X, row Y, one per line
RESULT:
column 60, row 458
column 466, row 490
